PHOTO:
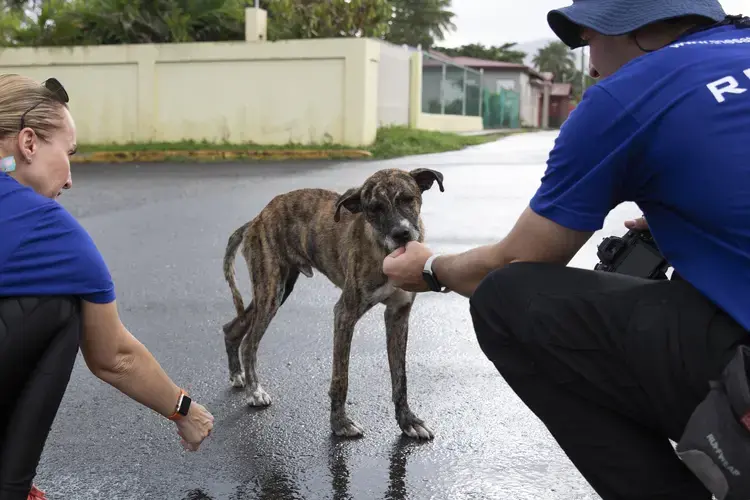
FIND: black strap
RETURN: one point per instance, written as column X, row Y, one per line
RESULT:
column 735, row 378
column 739, row 22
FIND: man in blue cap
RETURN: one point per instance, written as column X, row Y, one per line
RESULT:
column 615, row 365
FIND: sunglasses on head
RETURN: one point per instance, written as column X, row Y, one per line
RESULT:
column 59, row 93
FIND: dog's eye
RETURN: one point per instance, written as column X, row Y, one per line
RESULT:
column 377, row 208
column 406, row 199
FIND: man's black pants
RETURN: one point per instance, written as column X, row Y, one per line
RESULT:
column 39, row 339
column 613, row 366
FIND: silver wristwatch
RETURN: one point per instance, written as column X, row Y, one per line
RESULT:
column 431, row 278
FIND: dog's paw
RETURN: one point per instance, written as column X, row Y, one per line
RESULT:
column 414, row 427
column 258, row 397
column 237, row 380
column 418, row 431
column 346, row 427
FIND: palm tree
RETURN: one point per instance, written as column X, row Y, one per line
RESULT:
column 420, row 22
column 556, row 58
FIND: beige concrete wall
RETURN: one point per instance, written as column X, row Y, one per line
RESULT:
column 336, row 91
column 300, row 91
column 393, row 85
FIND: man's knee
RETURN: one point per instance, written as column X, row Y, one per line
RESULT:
column 507, row 290
column 506, row 293
column 499, row 303
column 510, row 278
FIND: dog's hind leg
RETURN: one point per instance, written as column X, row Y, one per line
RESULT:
column 233, row 333
column 348, row 310
column 397, row 311
column 270, row 292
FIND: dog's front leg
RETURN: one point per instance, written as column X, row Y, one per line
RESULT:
column 397, row 312
column 347, row 312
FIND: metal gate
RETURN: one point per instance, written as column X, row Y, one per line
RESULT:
column 501, row 109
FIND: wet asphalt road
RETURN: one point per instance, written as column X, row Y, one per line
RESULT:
column 163, row 229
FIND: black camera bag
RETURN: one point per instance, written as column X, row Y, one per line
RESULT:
column 715, row 445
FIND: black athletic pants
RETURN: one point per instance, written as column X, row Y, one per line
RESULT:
column 39, row 339
column 612, row 365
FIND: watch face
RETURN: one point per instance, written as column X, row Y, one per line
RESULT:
column 184, row 405
column 431, row 281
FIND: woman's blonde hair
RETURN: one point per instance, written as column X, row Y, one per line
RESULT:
column 21, row 95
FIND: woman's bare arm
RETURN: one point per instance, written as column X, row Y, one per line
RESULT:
column 115, row 356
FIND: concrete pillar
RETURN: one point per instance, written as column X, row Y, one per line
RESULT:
column 547, row 88
column 415, row 89
column 256, row 24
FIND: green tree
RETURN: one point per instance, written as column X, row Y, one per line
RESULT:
column 558, row 59
column 40, row 28
column 296, row 19
column 10, row 23
column 104, row 22
column 107, row 22
column 12, row 17
column 420, row 22
column 16, row 5
column 503, row 53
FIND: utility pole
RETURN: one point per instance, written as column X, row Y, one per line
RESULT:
column 583, row 71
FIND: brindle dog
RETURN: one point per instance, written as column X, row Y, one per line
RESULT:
column 307, row 229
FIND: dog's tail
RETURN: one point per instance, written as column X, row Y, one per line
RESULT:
column 232, row 245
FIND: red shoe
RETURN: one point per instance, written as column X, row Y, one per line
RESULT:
column 36, row 494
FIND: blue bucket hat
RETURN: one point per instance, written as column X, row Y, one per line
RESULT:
column 619, row 17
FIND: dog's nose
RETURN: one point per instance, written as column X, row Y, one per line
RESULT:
column 401, row 235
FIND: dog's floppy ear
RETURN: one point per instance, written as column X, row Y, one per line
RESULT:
column 351, row 200
column 425, row 177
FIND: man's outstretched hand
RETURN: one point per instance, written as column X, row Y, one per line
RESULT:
column 640, row 224
column 404, row 267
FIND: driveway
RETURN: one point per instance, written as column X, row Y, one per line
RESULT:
column 163, row 229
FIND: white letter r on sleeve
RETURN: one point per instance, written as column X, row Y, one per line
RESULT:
column 726, row 85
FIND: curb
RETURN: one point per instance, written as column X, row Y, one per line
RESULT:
column 217, row 154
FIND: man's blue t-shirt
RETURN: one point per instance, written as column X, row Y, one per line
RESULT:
column 45, row 251
column 669, row 131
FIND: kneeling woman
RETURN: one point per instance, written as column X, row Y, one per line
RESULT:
column 56, row 293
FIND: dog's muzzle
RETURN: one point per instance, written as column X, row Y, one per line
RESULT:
column 401, row 236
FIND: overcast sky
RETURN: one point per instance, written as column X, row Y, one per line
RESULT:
column 490, row 21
